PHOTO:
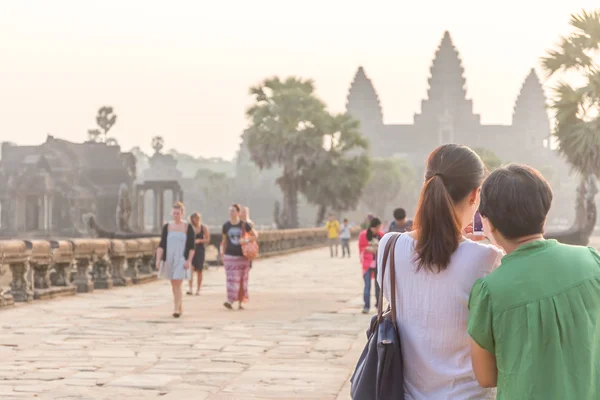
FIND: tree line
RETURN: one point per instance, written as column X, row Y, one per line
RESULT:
column 321, row 159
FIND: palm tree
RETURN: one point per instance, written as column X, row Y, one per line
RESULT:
column 106, row 119
column 338, row 180
column 577, row 109
column 287, row 126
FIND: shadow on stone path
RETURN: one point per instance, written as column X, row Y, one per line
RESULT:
column 299, row 338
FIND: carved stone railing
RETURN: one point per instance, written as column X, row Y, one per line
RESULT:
column 278, row 242
column 42, row 269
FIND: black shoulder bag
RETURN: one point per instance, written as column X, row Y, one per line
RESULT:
column 379, row 372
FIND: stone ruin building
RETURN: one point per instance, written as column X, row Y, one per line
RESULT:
column 54, row 189
column 447, row 117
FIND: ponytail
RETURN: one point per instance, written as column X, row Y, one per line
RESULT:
column 437, row 226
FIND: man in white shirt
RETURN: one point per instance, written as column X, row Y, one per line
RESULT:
column 345, row 237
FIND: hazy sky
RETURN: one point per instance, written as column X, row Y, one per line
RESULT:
column 181, row 69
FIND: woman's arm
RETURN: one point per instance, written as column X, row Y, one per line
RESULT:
column 223, row 243
column 252, row 232
column 159, row 256
column 206, row 236
column 162, row 245
column 206, row 239
column 190, row 246
column 484, row 366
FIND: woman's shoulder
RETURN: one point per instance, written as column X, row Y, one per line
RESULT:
column 483, row 249
column 485, row 258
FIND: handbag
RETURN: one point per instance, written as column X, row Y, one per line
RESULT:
column 379, row 371
column 250, row 249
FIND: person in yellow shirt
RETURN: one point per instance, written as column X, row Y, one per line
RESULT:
column 333, row 234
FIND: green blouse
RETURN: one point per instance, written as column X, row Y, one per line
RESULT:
column 539, row 313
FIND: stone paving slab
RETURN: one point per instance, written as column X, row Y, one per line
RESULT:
column 299, row 338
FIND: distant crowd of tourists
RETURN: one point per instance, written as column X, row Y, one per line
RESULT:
column 516, row 318
column 181, row 252
column 368, row 242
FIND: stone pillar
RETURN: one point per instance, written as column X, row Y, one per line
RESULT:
column 21, row 287
column 46, row 213
column 140, row 211
column 156, row 223
column 180, row 195
column 50, row 212
column 145, row 265
column 118, row 271
column 41, row 214
column 133, row 265
column 101, row 272
column 161, row 209
column 19, row 214
column 82, row 276
column 41, row 275
column 60, row 276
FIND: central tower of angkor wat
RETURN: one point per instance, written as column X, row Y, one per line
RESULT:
column 447, row 116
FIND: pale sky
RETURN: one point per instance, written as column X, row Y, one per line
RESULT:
column 181, row 69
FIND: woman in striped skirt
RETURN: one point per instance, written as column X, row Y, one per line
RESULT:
column 236, row 265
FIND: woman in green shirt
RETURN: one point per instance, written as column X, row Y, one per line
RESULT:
column 535, row 321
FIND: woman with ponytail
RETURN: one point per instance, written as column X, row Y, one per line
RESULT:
column 436, row 267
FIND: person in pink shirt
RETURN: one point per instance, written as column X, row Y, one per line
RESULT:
column 368, row 241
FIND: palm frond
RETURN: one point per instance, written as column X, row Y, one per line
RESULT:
column 588, row 25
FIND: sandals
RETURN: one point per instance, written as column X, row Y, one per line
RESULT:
column 228, row 305
column 179, row 313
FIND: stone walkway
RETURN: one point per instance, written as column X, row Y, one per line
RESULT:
column 299, row 338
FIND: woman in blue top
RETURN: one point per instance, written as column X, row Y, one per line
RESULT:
column 175, row 253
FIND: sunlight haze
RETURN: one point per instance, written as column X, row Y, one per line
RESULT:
column 182, row 69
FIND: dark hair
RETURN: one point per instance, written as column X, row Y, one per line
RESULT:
column 237, row 207
column 399, row 214
column 453, row 171
column 516, row 199
column 375, row 222
column 345, row 219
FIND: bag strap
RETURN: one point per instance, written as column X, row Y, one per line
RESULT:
column 389, row 247
column 393, row 279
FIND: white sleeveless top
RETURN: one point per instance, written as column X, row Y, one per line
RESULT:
column 432, row 314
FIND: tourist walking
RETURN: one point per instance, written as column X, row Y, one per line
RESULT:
column 368, row 241
column 175, row 253
column 400, row 223
column 435, row 268
column 333, row 234
column 236, row 265
column 202, row 239
column 345, row 236
column 535, row 320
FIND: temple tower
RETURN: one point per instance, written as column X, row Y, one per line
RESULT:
column 446, row 114
column 363, row 104
column 531, row 125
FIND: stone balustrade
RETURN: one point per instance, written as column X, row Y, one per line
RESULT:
column 42, row 269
